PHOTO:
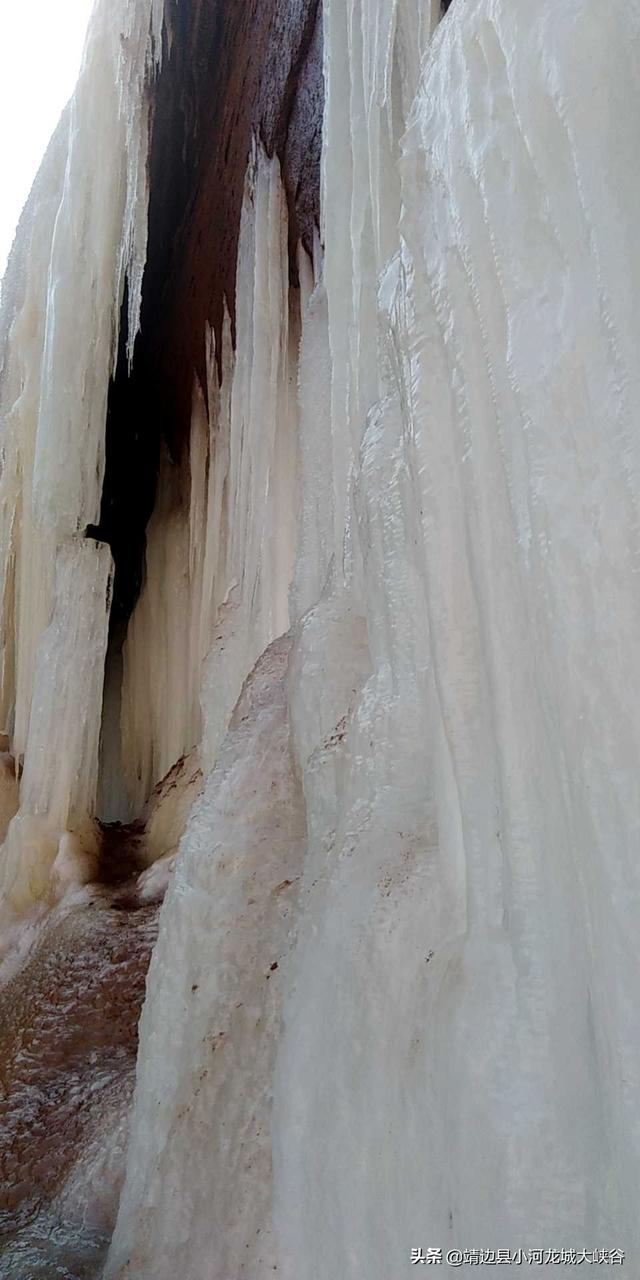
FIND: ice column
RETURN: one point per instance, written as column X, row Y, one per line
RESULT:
column 59, row 782
column 82, row 233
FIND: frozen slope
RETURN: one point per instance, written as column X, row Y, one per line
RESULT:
column 456, row 1054
column 229, row 918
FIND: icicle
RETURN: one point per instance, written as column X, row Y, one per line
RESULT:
column 215, row 584
column 157, row 713
column 220, row 544
column 372, row 58
column 259, row 390
column 316, row 530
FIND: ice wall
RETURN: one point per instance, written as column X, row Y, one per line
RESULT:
column 453, row 1061
column 83, row 232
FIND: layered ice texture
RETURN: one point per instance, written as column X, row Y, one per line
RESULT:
column 394, row 998
column 82, row 236
column 453, row 1058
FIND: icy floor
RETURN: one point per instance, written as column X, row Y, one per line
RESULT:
column 68, row 1044
column 394, row 999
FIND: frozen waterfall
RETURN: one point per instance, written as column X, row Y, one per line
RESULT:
column 378, row 703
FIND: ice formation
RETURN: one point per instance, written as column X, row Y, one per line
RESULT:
column 388, row 631
column 51, row 831
column 58, row 344
column 220, row 543
column 457, row 1057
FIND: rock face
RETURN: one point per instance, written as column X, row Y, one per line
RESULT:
column 367, row 464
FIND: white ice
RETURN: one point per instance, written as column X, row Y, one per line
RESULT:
column 82, row 233
column 458, row 1058
column 394, row 997
column 51, row 835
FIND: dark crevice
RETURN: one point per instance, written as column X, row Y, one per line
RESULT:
column 121, row 857
column 229, row 73
column 128, row 492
